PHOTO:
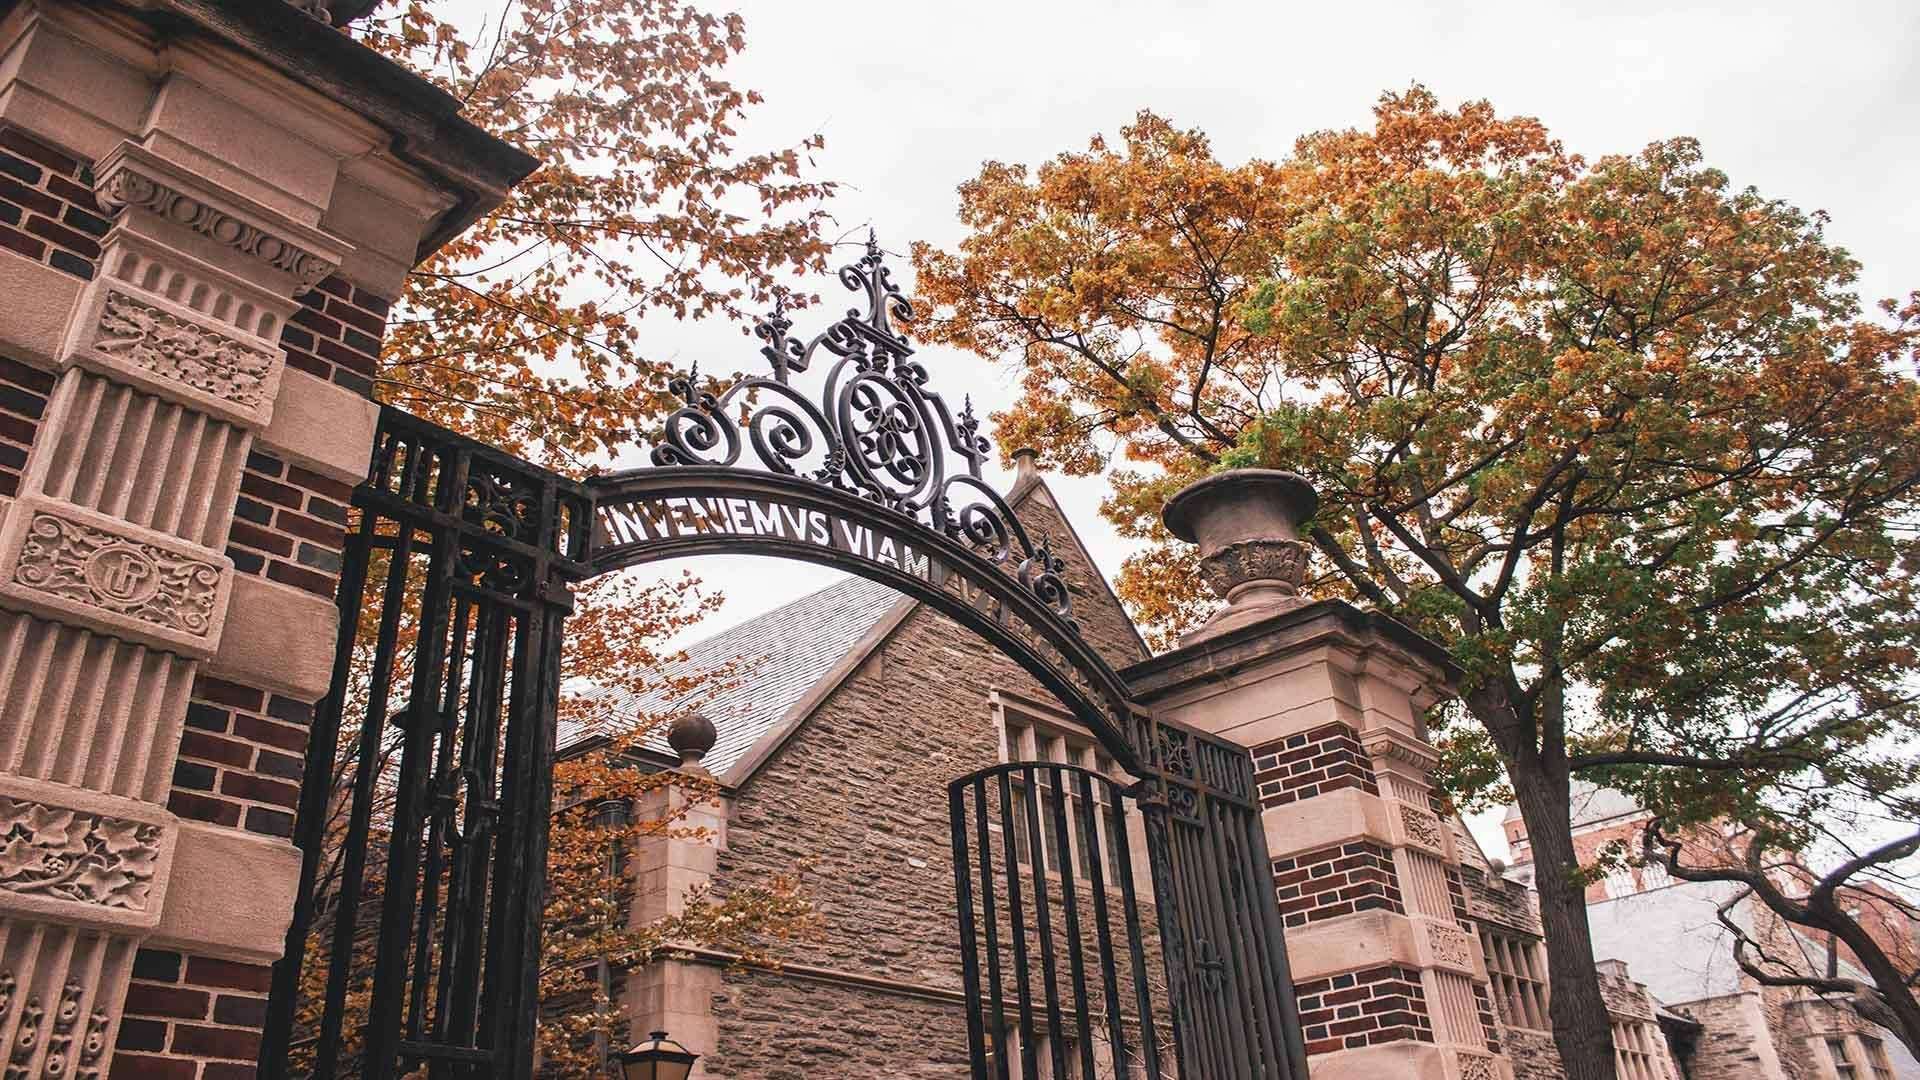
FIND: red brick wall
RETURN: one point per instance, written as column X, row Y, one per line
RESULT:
column 47, row 211
column 1336, row 881
column 191, row 1018
column 23, row 398
column 240, row 758
column 289, row 525
column 1380, row 1005
column 1311, row 763
column 336, row 334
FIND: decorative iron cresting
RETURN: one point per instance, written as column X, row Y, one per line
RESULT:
column 876, row 430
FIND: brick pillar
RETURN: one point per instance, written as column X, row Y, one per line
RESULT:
column 174, row 204
column 1329, row 700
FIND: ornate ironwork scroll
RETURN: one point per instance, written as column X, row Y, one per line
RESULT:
column 876, row 430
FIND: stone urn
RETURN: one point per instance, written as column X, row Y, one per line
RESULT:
column 1246, row 523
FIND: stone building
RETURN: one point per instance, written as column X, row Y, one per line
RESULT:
column 1668, row 933
column 853, row 707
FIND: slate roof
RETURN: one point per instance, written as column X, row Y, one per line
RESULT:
column 782, row 654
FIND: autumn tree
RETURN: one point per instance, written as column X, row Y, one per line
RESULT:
column 1777, row 898
column 526, row 330
column 1616, row 432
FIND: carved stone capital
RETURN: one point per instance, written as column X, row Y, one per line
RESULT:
column 134, row 179
column 134, row 336
column 82, row 858
column 80, row 567
column 1280, row 562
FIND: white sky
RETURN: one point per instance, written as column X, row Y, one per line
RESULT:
column 1810, row 102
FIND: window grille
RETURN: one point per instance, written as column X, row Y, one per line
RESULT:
column 1637, row 1052
column 1843, row 1064
column 1024, row 739
column 1518, row 976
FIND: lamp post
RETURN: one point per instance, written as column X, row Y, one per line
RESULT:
column 659, row 1058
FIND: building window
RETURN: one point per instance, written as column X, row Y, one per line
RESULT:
column 1654, row 875
column 1518, row 976
column 1877, row 1058
column 1024, row 738
column 1637, row 1051
column 1843, row 1065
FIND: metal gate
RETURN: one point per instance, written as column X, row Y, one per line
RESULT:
column 1064, row 975
column 424, row 811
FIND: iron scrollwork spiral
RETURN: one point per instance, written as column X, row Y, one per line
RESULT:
column 875, row 431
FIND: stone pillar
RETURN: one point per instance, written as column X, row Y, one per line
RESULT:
column 674, row 993
column 171, row 194
column 1329, row 700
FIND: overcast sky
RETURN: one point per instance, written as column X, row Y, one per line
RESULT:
column 1811, row 102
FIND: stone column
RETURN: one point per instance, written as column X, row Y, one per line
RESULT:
column 179, row 184
column 674, row 993
column 1329, row 700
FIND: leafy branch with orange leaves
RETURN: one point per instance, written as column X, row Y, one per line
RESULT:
column 1616, row 432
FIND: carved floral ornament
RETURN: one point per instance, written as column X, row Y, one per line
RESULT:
column 60, row 1050
column 1450, row 945
column 80, row 563
column 1421, row 827
column 73, row 855
column 127, row 187
column 1475, row 1067
column 173, row 348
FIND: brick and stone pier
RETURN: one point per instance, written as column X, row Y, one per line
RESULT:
column 205, row 209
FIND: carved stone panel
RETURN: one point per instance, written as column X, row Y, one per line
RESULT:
column 77, row 566
column 1422, row 828
column 1450, row 947
column 80, row 857
column 135, row 337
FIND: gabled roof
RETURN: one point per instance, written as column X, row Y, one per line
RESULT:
column 782, row 654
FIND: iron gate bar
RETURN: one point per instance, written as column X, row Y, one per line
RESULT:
column 1020, row 784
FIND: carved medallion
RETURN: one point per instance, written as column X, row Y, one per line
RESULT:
column 186, row 352
column 152, row 584
column 73, row 855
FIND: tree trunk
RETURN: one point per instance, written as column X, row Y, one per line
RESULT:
column 1582, row 1030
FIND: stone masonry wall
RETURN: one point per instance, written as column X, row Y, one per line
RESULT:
column 857, row 800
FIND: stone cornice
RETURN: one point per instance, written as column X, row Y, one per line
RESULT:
column 135, row 178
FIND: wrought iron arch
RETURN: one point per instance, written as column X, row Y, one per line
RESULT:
column 875, row 475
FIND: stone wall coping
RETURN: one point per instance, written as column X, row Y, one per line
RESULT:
column 1214, row 657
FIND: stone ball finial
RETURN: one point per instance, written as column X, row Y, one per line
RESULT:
column 692, row 735
column 1247, row 524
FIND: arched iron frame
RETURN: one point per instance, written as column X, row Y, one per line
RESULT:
column 501, row 540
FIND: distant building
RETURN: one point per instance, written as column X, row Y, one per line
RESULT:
column 1669, row 935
